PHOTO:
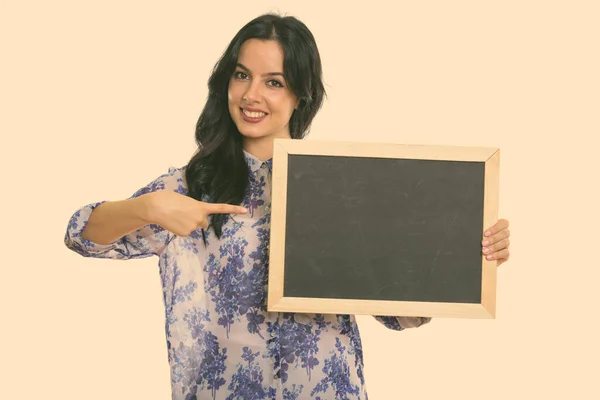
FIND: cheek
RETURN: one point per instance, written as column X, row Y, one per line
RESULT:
column 283, row 105
column 233, row 101
column 234, row 92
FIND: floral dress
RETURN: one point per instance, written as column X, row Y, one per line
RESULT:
column 222, row 343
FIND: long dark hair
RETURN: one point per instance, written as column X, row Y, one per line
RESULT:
column 219, row 169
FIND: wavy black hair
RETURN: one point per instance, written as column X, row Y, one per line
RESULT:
column 218, row 168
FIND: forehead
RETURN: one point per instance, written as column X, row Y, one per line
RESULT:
column 261, row 56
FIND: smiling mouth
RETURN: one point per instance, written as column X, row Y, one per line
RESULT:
column 253, row 114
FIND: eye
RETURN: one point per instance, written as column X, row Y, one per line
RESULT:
column 240, row 75
column 276, row 83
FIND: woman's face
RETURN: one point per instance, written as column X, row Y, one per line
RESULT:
column 260, row 102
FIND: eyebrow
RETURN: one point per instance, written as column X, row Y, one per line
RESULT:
column 242, row 66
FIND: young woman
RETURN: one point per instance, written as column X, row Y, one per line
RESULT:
column 208, row 224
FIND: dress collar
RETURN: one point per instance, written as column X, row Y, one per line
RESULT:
column 254, row 163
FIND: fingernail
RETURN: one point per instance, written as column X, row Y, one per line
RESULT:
column 486, row 243
column 488, row 233
column 489, row 257
column 486, row 250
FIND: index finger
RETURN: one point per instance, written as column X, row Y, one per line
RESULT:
column 214, row 208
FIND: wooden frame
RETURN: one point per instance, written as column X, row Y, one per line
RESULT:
column 279, row 302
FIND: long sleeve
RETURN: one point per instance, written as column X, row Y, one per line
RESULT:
column 401, row 323
column 144, row 242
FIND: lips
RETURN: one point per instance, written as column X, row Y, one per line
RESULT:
column 253, row 115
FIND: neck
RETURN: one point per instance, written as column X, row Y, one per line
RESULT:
column 261, row 148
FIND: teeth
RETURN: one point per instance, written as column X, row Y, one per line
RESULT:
column 252, row 114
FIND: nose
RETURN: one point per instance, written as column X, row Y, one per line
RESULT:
column 253, row 94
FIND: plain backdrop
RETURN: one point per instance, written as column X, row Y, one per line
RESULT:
column 100, row 98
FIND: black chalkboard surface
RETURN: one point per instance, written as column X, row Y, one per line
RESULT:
column 382, row 229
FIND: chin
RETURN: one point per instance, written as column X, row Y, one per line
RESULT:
column 252, row 132
column 253, row 137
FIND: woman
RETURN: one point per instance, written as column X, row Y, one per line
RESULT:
column 208, row 223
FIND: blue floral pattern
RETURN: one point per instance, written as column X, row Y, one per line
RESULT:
column 221, row 341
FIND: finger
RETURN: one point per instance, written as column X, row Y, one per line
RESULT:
column 500, row 245
column 503, row 234
column 212, row 208
column 497, row 227
column 498, row 255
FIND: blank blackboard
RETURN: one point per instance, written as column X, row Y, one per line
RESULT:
column 382, row 229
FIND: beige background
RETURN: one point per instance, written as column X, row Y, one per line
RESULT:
column 99, row 98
